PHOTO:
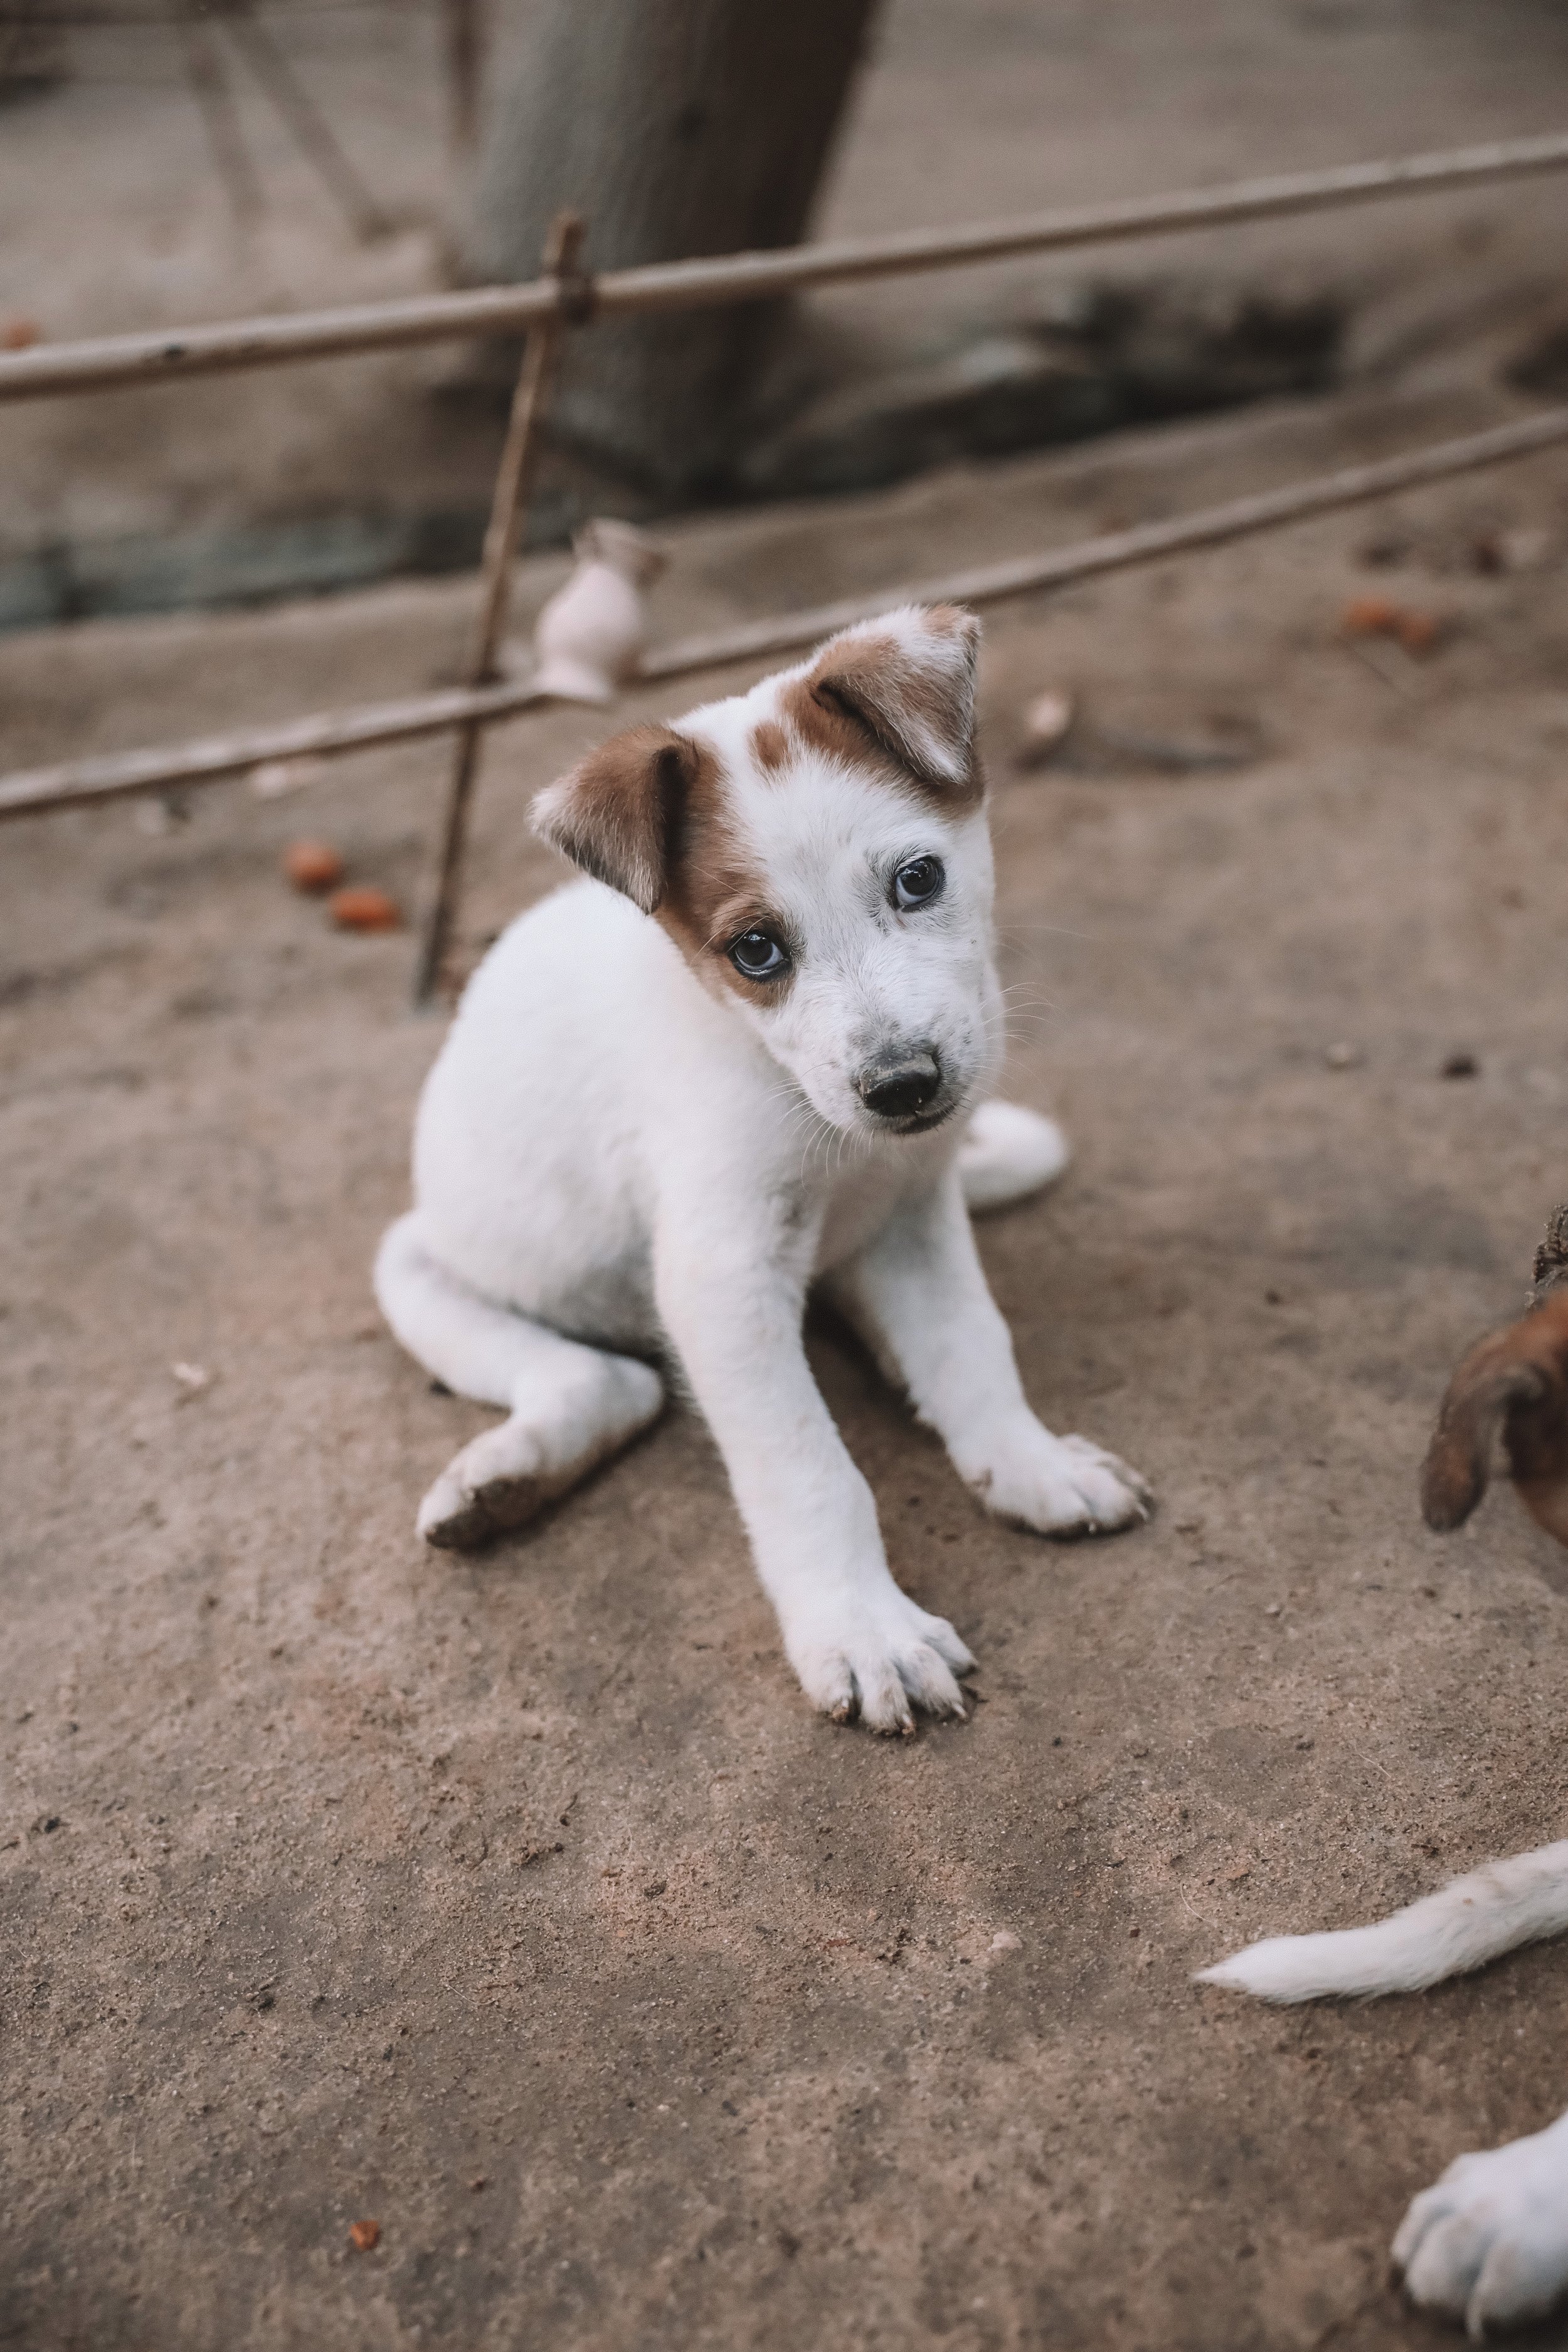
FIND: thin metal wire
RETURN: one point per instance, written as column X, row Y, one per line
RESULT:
column 77, row 782
column 162, row 355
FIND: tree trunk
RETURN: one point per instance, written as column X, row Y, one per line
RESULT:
column 675, row 127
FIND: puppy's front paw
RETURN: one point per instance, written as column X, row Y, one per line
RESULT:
column 1060, row 1486
column 877, row 1656
column 1490, row 2243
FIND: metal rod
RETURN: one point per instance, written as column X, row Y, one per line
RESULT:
column 303, row 118
column 72, row 785
column 514, row 481
column 214, row 759
column 159, row 356
column 1120, row 551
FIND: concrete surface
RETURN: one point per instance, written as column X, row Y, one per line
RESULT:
column 520, row 1905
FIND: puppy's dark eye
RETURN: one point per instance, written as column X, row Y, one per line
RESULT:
column 919, row 882
column 759, row 956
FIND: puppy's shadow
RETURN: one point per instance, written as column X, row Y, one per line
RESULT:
column 851, row 1380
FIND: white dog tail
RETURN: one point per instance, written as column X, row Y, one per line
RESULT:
column 1469, row 1922
column 1007, row 1153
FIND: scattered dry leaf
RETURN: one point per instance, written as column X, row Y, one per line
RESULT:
column 1369, row 616
column 1411, row 626
column 365, row 2236
column 16, row 334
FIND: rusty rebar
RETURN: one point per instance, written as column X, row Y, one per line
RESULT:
column 508, row 505
column 75, row 783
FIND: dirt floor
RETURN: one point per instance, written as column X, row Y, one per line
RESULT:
column 520, row 1905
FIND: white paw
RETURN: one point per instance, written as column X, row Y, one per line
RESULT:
column 1007, row 1153
column 1059, row 1485
column 1490, row 2243
column 509, row 1473
column 876, row 1655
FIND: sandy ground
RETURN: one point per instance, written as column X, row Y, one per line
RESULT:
column 520, row 1904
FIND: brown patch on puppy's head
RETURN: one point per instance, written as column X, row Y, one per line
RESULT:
column 898, row 694
column 1515, row 1382
column 645, row 813
column 769, row 744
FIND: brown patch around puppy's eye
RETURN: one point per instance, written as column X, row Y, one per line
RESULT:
column 713, row 892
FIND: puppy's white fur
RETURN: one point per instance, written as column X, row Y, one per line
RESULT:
column 1489, row 2244
column 623, row 1152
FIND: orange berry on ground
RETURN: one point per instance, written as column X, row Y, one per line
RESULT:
column 363, row 908
column 313, row 866
column 1417, row 632
column 1370, row 616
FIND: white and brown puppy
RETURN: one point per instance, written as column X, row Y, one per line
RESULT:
column 755, row 1050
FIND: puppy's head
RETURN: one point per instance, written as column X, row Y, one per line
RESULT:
column 818, row 850
column 1514, row 1383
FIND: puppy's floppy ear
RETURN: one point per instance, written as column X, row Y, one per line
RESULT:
column 620, row 813
column 909, row 678
column 1514, row 1383
column 1480, row 1396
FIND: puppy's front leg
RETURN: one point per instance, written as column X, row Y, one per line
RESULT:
column 919, row 1294
column 732, row 1297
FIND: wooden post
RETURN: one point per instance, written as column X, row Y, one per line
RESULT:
column 514, row 481
column 462, row 43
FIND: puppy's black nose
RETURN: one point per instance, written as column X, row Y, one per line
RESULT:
column 897, row 1085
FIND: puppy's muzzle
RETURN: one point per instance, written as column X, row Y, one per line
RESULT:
column 901, row 1085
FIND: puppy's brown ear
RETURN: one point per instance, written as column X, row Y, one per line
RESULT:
column 620, row 813
column 1514, row 1381
column 1481, row 1394
column 909, row 680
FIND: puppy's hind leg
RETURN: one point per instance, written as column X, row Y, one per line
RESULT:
column 569, row 1407
column 1009, row 1153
